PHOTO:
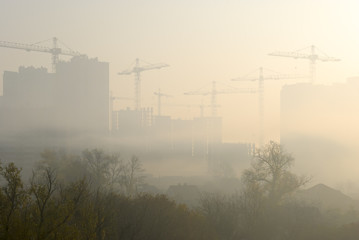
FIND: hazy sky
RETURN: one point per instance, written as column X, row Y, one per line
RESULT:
column 202, row 41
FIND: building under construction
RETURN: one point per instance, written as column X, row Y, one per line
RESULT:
column 319, row 124
column 190, row 141
column 162, row 133
column 66, row 109
column 71, row 108
column 74, row 99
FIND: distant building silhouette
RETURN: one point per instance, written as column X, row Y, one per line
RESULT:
column 66, row 109
column 197, row 137
column 74, row 99
column 319, row 124
column 71, row 109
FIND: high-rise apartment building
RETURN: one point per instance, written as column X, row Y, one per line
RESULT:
column 74, row 99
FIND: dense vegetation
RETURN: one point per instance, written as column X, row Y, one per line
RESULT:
column 95, row 196
column 89, row 204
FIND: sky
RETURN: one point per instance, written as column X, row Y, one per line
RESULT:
column 202, row 41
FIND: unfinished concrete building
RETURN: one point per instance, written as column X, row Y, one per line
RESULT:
column 74, row 99
column 319, row 125
column 39, row 110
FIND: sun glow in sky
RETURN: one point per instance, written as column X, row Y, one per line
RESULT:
column 202, row 41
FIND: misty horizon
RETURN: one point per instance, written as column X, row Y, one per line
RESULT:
column 195, row 101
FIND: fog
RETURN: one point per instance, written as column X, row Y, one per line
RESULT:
column 194, row 91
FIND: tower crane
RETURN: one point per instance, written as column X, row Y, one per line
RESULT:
column 114, row 98
column 214, row 92
column 202, row 106
column 312, row 56
column 260, row 89
column 159, row 96
column 137, row 69
column 55, row 50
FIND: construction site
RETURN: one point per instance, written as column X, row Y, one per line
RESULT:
column 72, row 106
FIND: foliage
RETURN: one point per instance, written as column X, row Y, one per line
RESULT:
column 50, row 207
column 102, row 203
column 13, row 198
column 108, row 172
column 222, row 213
column 263, row 209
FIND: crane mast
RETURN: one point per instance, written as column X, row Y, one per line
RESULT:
column 213, row 93
column 55, row 51
column 159, row 96
column 313, row 57
column 260, row 89
column 137, row 69
column 214, row 99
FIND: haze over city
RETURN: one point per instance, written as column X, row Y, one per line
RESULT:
column 191, row 91
column 201, row 41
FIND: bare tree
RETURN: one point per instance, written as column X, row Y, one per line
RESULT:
column 270, row 169
column 13, row 197
column 98, row 163
column 43, row 185
column 54, row 204
column 132, row 176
